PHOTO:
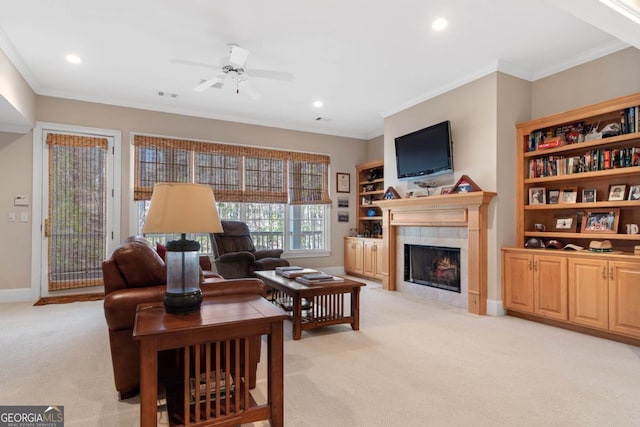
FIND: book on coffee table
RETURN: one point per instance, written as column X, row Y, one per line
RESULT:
column 318, row 278
column 283, row 269
column 297, row 273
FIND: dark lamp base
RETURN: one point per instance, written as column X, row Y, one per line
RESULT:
column 183, row 303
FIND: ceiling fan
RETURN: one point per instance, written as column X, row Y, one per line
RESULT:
column 234, row 67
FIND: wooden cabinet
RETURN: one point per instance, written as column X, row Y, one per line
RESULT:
column 538, row 284
column 364, row 257
column 567, row 154
column 590, row 290
column 365, row 254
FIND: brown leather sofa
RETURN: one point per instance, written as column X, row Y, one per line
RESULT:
column 136, row 274
column 236, row 256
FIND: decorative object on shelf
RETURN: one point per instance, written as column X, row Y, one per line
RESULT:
column 537, row 196
column 632, row 228
column 539, row 227
column 343, row 182
column 377, row 230
column 554, row 244
column 569, row 195
column 391, row 193
column 534, row 243
column 182, row 208
column 374, row 174
column 343, row 216
column 616, row 192
column 634, row 192
column 588, row 195
column 553, row 197
column 465, row 185
column 600, row 221
column 371, row 212
column 600, row 246
column 565, row 223
column 370, row 187
column 446, row 190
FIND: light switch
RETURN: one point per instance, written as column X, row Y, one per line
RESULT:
column 21, row 200
column 12, row 217
column 24, row 216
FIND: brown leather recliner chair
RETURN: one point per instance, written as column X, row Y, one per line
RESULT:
column 236, row 255
column 136, row 274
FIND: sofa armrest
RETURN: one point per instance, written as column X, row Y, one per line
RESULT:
column 120, row 306
column 268, row 253
column 234, row 287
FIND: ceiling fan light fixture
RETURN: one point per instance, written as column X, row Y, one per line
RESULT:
column 439, row 24
column 73, row 59
column 318, row 103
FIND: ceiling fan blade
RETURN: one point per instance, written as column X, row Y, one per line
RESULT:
column 245, row 87
column 195, row 64
column 270, row 74
column 238, row 56
column 206, row 84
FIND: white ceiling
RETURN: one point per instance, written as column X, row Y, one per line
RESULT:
column 364, row 59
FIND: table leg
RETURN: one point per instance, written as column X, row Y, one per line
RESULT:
column 148, row 385
column 297, row 317
column 276, row 374
column 355, row 308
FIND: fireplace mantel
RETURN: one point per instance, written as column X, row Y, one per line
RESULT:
column 449, row 210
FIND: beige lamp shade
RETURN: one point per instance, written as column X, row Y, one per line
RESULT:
column 182, row 208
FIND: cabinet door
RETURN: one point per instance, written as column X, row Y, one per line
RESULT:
column 588, row 293
column 380, row 258
column 518, row 281
column 550, row 286
column 368, row 258
column 624, row 297
column 353, row 256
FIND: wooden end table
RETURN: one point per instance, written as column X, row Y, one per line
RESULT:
column 219, row 331
column 325, row 301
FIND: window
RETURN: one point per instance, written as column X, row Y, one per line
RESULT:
column 282, row 196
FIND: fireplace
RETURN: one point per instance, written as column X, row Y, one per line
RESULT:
column 435, row 266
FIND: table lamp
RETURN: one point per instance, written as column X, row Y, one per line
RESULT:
column 182, row 208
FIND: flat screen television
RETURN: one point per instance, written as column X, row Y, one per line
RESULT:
column 424, row 153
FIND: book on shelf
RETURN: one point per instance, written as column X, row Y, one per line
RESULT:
column 292, row 274
column 317, row 278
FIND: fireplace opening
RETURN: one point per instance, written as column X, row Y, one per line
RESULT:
column 434, row 266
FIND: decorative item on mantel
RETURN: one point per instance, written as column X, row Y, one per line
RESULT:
column 465, row 185
column 391, row 193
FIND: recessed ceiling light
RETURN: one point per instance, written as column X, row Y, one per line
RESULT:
column 439, row 24
column 318, row 104
column 628, row 8
column 74, row 59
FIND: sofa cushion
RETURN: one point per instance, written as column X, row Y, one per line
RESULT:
column 139, row 263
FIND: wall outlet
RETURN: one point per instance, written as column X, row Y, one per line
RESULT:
column 24, row 216
column 12, row 217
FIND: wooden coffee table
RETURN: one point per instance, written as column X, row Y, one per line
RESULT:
column 315, row 306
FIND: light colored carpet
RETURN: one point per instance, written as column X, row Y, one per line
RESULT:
column 413, row 363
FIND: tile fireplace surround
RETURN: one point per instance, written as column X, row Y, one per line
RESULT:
column 461, row 210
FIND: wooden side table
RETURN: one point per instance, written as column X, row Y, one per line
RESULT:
column 212, row 340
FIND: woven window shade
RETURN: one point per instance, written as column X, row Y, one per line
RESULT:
column 159, row 160
column 75, row 226
column 236, row 173
column 308, row 179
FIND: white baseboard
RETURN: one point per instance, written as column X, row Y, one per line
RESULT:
column 18, row 295
column 495, row 308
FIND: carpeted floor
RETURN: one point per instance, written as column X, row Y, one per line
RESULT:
column 69, row 298
column 413, row 363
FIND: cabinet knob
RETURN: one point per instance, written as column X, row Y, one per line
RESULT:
column 604, row 273
column 529, row 263
column 535, row 265
column 611, row 273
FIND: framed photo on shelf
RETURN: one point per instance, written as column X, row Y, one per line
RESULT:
column 565, row 223
column 537, row 196
column 465, row 185
column 634, row 192
column 616, row 192
column 569, row 195
column 553, row 197
column 588, row 195
column 447, row 189
column 343, row 182
column 600, row 221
